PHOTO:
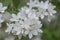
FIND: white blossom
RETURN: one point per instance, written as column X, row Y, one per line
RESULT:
column 15, row 28
column 9, row 28
column 2, row 8
column 33, row 27
column 26, row 12
column 24, row 23
column 29, row 27
column 43, row 8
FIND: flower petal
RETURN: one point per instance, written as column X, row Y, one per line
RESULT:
column 30, row 36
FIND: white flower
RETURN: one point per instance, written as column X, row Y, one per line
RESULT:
column 43, row 8
column 9, row 28
column 33, row 27
column 14, row 28
column 2, row 9
column 26, row 12
column 46, row 9
column 24, row 23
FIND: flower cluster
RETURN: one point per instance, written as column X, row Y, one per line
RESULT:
column 43, row 9
column 26, row 22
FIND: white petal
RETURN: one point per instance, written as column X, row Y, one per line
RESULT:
column 26, row 32
column 46, row 13
column 3, row 9
column 17, row 33
column 7, row 30
column 39, row 30
column 30, row 35
column 14, row 15
column 12, row 19
column 42, row 16
column 1, row 21
column 54, row 11
column 35, row 33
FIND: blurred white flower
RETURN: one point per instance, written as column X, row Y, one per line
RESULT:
column 26, row 12
column 24, row 23
column 32, row 27
column 9, row 28
column 46, row 9
column 29, row 27
column 15, row 28
column 2, row 8
column 27, row 22
column 43, row 8
column 1, row 20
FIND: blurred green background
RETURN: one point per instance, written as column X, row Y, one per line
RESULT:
column 51, row 31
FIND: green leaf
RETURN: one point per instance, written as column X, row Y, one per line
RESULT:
column 21, row 4
column 16, row 3
column 6, row 2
